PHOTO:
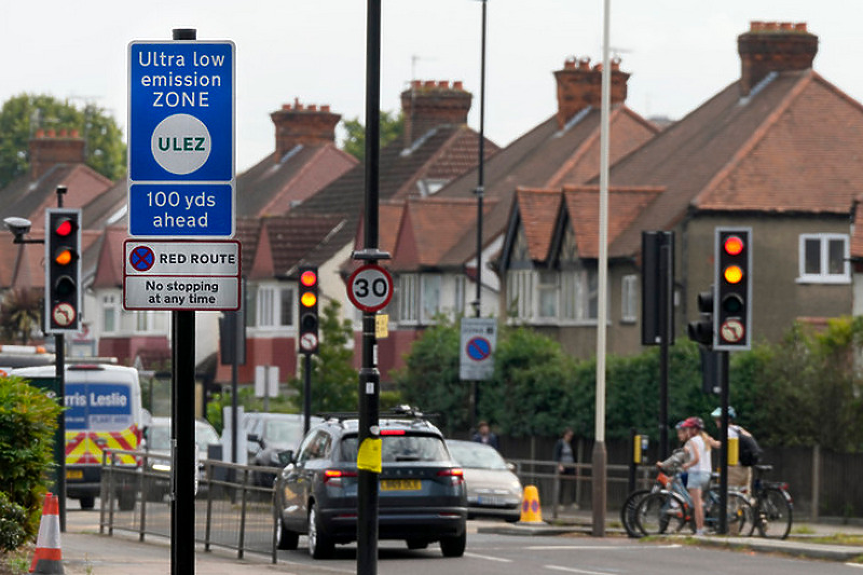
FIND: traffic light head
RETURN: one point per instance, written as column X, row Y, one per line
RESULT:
column 701, row 330
column 62, row 270
column 308, row 290
column 733, row 276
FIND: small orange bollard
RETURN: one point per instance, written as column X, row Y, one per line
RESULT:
column 531, row 512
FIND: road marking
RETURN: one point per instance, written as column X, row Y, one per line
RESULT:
column 599, row 547
column 574, row 570
column 488, row 558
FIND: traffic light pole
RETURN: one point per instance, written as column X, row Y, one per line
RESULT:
column 60, row 374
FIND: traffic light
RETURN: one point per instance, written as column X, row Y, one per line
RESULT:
column 308, row 309
column 62, row 270
column 733, row 318
column 701, row 330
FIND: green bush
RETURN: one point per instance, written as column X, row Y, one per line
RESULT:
column 13, row 518
column 28, row 420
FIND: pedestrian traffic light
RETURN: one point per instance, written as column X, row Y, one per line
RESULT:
column 308, row 290
column 62, row 270
column 701, row 330
column 733, row 317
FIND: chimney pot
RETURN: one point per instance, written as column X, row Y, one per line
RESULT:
column 312, row 108
column 429, row 84
column 458, row 85
column 774, row 47
column 581, row 87
column 52, row 133
column 40, row 133
column 325, row 108
column 416, row 84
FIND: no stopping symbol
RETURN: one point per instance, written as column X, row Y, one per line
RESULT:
column 370, row 288
column 478, row 348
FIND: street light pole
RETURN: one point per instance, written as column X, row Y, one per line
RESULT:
column 599, row 453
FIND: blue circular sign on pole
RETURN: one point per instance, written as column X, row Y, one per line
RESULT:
column 478, row 348
column 142, row 258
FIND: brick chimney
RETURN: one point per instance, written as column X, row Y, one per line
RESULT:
column 50, row 148
column 427, row 105
column 306, row 125
column 773, row 47
column 579, row 86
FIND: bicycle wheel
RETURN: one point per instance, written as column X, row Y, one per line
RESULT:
column 773, row 514
column 741, row 516
column 660, row 513
column 627, row 512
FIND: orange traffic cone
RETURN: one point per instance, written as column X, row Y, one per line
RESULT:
column 530, row 509
column 48, row 556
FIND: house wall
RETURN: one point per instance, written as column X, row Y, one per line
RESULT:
column 779, row 298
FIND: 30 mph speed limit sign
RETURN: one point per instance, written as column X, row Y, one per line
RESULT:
column 370, row 288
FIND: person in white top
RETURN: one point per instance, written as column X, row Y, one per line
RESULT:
column 698, row 465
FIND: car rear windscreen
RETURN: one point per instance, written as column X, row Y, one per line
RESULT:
column 401, row 448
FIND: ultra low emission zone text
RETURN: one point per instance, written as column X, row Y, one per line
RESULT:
column 170, row 79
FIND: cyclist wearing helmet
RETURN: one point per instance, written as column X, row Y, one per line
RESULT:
column 698, row 466
column 738, row 475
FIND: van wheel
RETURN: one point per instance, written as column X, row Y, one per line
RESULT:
column 88, row 502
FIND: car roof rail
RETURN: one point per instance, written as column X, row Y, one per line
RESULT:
column 398, row 412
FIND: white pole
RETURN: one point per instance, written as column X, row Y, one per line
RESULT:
column 599, row 456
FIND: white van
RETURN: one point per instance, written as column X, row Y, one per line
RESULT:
column 103, row 410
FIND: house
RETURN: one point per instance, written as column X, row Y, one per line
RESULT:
column 437, row 147
column 56, row 160
column 435, row 267
column 304, row 159
column 776, row 151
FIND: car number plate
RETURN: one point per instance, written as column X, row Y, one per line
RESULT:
column 400, row 485
column 74, row 474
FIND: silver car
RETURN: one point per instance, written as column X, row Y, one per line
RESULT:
column 493, row 490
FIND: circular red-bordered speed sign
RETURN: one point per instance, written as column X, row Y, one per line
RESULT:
column 370, row 288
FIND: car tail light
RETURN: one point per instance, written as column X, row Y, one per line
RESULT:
column 333, row 477
column 456, row 475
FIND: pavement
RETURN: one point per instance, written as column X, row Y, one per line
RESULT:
column 85, row 551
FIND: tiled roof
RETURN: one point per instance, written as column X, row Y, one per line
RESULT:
column 429, row 229
column 546, row 157
column 538, row 210
column 791, row 146
column 624, row 206
column 273, row 185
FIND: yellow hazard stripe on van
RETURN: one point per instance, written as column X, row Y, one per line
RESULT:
column 86, row 447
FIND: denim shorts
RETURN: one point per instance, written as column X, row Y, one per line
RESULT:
column 698, row 479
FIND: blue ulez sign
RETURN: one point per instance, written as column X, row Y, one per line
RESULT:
column 181, row 138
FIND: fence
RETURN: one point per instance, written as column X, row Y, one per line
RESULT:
column 233, row 507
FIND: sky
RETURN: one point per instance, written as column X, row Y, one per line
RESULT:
column 679, row 52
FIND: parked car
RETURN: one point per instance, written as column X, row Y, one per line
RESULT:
column 493, row 489
column 422, row 497
column 270, row 434
column 157, row 442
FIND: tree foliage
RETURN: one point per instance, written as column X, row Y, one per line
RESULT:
column 22, row 115
column 805, row 390
column 391, row 126
column 334, row 379
column 28, row 419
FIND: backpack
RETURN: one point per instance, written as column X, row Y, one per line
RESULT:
column 750, row 452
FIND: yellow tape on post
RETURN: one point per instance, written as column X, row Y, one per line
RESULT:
column 369, row 455
column 733, row 450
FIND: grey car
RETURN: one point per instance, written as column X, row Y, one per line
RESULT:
column 493, row 489
column 422, row 497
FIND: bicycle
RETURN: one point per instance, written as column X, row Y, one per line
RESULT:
column 772, row 505
column 669, row 510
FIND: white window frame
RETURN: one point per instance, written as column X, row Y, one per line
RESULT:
column 430, row 291
column 824, row 275
column 547, row 295
column 268, row 306
column 408, row 298
column 629, row 298
column 519, row 290
column 110, row 308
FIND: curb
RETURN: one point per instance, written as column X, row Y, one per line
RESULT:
column 841, row 553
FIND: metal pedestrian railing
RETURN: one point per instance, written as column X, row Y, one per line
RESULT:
column 233, row 506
